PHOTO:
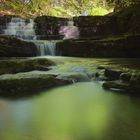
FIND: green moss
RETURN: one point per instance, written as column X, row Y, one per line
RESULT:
column 24, row 65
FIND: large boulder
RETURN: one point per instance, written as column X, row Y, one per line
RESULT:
column 13, row 47
column 11, row 66
column 26, row 84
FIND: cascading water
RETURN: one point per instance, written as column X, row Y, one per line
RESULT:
column 70, row 31
column 21, row 28
column 24, row 29
column 46, row 47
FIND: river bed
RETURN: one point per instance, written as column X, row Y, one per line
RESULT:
column 81, row 111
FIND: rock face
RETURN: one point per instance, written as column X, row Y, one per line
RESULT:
column 24, row 65
column 125, row 21
column 91, row 26
column 48, row 27
column 25, row 84
column 13, row 47
column 3, row 21
column 121, row 46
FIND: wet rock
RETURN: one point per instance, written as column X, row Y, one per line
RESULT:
column 116, row 85
column 125, row 77
column 131, row 87
column 11, row 66
column 112, row 74
column 13, row 47
column 30, row 82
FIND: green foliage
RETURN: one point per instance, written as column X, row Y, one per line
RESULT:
column 99, row 11
column 120, row 4
column 62, row 7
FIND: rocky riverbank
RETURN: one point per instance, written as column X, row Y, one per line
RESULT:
column 24, row 77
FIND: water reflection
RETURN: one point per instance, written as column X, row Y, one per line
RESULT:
column 83, row 111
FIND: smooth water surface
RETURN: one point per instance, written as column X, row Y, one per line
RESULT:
column 82, row 111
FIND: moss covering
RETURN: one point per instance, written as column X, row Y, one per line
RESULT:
column 24, row 65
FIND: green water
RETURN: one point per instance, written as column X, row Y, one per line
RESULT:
column 81, row 111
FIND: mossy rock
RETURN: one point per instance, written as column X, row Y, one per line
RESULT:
column 24, row 65
column 26, row 84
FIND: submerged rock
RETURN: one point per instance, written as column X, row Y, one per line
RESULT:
column 13, row 47
column 112, row 85
column 22, row 84
column 11, row 66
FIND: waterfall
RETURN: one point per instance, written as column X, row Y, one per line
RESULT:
column 46, row 47
column 70, row 31
column 21, row 28
column 24, row 29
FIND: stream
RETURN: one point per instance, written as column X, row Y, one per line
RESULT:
column 81, row 111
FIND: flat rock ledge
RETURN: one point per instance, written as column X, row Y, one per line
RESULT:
column 12, row 66
column 29, row 83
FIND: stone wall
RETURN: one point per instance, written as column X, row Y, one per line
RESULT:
column 126, row 21
column 48, row 27
column 90, row 26
column 13, row 47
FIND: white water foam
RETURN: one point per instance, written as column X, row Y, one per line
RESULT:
column 21, row 28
